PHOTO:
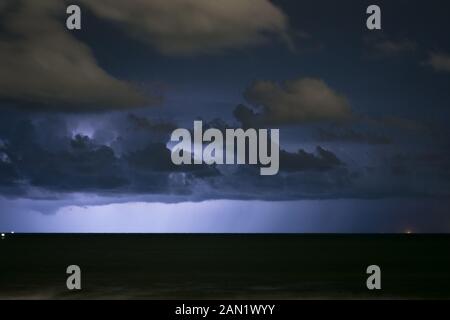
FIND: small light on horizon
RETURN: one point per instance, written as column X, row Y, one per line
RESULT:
column 3, row 235
column 408, row 232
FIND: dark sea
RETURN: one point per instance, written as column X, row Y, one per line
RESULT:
column 217, row 266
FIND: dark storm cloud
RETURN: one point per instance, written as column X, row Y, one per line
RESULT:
column 8, row 173
column 132, row 166
column 78, row 163
column 163, row 127
column 43, row 66
column 157, row 157
column 134, row 132
column 306, row 181
column 305, row 100
column 82, row 166
column 400, row 123
column 352, row 136
column 137, row 161
column 432, row 165
column 302, row 175
column 247, row 116
column 303, row 161
column 151, row 171
column 70, row 164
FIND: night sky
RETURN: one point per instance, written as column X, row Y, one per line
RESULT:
column 86, row 115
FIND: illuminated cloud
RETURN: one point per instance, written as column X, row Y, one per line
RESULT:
column 44, row 67
column 299, row 101
column 187, row 27
column 439, row 61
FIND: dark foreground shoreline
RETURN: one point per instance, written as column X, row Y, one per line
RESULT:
column 202, row 266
